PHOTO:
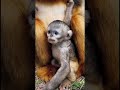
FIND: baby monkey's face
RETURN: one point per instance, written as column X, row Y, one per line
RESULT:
column 58, row 31
column 54, row 35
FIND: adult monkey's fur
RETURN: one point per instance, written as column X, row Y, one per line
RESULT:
column 44, row 70
column 17, row 48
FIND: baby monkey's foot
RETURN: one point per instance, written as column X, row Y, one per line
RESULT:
column 41, row 86
column 66, row 85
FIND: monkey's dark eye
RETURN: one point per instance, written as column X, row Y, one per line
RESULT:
column 56, row 33
column 48, row 32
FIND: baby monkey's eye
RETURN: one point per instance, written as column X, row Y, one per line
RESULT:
column 56, row 33
column 48, row 32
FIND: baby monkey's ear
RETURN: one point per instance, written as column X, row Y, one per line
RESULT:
column 69, row 35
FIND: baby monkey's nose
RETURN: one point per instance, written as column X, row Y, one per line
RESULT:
column 51, row 35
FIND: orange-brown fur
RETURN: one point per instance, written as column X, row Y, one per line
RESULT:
column 77, row 25
column 45, row 72
column 43, row 48
column 44, row 54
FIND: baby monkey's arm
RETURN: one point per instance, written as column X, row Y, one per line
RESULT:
column 62, row 72
column 68, row 13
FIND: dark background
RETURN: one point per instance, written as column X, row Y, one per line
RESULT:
column 17, row 46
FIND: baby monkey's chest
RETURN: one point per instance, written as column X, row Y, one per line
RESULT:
column 66, row 49
column 56, row 53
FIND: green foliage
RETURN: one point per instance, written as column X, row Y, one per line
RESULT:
column 77, row 85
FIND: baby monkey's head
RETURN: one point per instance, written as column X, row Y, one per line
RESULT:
column 58, row 31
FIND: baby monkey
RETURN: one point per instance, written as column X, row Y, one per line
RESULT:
column 59, row 35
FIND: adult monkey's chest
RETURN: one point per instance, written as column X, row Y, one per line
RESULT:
column 50, row 12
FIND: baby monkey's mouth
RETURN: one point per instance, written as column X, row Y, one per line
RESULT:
column 51, row 40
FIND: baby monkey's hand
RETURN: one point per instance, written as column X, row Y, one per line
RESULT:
column 70, row 3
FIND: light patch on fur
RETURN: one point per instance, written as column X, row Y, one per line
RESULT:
column 49, row 13
column 74, row 64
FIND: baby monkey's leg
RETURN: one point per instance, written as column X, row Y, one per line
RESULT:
column 72, row 76
column 62, row 72
column 73, row 67
column 66, row 84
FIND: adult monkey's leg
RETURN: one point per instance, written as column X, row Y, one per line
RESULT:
column 78, row 27
column 42, row 46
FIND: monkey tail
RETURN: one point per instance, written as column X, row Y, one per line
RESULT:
column 45, row 73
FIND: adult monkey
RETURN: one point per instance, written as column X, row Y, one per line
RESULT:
column 46, row 12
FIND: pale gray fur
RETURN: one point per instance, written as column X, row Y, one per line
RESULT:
column 62, row 50
column 68, row 14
